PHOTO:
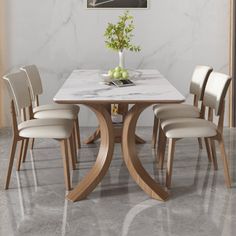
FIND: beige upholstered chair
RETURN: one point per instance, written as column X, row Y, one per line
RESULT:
column 197, row 86
column 21, row 108
column 63, row 111
column 178, row 128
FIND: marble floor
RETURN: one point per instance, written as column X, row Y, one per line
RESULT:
column 200, row 204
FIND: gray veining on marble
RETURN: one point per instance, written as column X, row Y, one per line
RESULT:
column 84, row 85
column 200, row 205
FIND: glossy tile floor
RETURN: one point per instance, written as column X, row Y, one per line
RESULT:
column 200, row 204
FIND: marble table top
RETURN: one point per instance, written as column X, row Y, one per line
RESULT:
column 83, row 86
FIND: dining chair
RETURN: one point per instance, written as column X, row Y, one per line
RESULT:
column 179, row 128
column 167, row 111
column 25, row 127
column 63, row 111
column 197, row 86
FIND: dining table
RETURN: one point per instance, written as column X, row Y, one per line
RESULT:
column 85, row 87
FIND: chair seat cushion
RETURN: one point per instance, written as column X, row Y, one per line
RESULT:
column 46, row 128
column 188, row 127
column 61, row 111
column 175, row 111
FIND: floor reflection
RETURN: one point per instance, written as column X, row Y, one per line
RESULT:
column 64, row 219
column 199, row 205
column 21, row 200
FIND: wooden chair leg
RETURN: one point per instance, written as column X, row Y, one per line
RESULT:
column 74, row 145
column 225, row 162
column 155, row 131
column 64, row 150
column 32, row 143
column 77, row 132
column 72, row 153
column 171, row 150
column 208, row 148
column 161, row 149
column 214, row 157
column 10, row 163
column 74, row 135
column 200, row 143
column 25, row 149
column 20, row 155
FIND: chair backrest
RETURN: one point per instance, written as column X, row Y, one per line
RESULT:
column 34, row 80
column 215, row 91
column 19, row 88
column 199, row 80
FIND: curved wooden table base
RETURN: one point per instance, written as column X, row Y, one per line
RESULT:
column 96, row 135
column 122, row 110
column 98, row 171
column 136, row 170
column 95, row 175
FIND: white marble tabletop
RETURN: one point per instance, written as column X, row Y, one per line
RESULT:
column 83, row 86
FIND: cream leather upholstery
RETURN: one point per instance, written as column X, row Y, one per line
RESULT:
column 57, row 107
column 176, row 128
column 17, row 83
column 61, row 111
column 188, row 127
column 215, row 91
column 46, row 128
column 197, row 86
column 35, row 80
column 49, row 110
column 199, row 80
column 175, row 110
column 60, row 129
column 56, row 111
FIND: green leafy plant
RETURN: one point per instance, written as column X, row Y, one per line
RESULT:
column 118, row 36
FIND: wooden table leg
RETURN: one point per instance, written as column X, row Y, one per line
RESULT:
column 96, row 135
column 98, row 171
column 123, row 110
column 137, row 171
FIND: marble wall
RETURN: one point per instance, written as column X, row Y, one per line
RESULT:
column 61, row 35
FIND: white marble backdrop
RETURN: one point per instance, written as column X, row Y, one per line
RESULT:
column 61, row 35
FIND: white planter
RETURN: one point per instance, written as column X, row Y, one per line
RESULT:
column 121, row 59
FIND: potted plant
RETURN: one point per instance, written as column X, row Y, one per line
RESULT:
column 118, row 38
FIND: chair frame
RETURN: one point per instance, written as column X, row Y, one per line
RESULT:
column 76, row 131
column 209, row 142
column 156, row 126
column 210, row 145
column 66, row 147
column 156, row 122
column 35, row 98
